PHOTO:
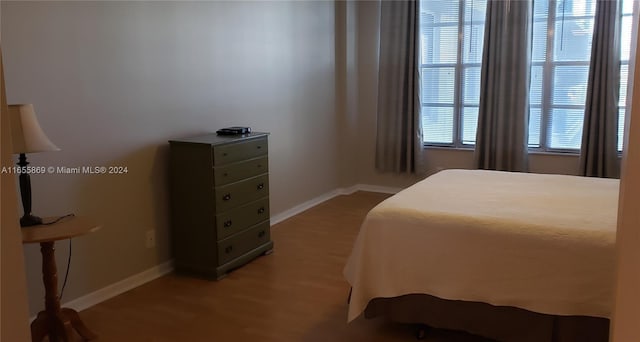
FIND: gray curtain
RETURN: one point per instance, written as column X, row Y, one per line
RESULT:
column 599, row 152
column 503, row 116
column 399, row 133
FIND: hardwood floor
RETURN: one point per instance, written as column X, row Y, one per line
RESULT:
column 297, row 293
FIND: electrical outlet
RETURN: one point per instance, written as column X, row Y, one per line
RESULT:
column 150, row 241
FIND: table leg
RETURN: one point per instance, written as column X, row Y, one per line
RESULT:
column 40, row 327
column 77, row 324
column 55, row 322
column 53, row 326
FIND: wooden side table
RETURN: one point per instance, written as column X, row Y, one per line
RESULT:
column 56, row 322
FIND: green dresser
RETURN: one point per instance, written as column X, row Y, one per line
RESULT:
column 219, row 202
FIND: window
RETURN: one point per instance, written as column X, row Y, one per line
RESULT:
column 625, row 50
column 451, row 69
column 451, row 56
column 559, row 72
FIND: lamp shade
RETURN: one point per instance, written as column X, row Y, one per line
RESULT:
column 26, row 134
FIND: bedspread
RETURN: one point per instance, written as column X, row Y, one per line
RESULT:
column 545, row 243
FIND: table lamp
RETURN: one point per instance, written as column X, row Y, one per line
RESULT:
column 27, row 137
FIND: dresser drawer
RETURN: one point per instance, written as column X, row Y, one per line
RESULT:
column 230, row 153
column 237, row 171
column 239, row 218
column 236, row 245
column 238, row 193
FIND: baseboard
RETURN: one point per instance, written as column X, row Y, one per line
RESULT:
column 377, row 188
column 349, row 190
column 120, row 287
column 275, row 219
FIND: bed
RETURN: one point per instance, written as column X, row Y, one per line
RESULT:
column 541, row 247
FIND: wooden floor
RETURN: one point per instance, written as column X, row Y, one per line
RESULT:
column 297, row 293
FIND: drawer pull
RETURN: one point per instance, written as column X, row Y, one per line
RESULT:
column 260, row 186
column 261, row 210
column 224, row 174
column 261, row 234
column 259, row 146
column 228, row 223
column 224, row 154
column 228, row 249
column 226, row 197
column 259, row 165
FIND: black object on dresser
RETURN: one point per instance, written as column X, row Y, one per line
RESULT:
column 219, row 202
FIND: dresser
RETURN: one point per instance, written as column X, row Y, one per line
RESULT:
column 219, row 202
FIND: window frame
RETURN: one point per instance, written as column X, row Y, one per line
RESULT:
column 459, row 67
column 623, row 108
column 549, row 66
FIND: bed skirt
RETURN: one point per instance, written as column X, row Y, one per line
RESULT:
column 501, row 323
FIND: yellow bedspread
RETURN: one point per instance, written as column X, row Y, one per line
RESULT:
column 545, row 243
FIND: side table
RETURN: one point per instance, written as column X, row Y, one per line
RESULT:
column 56, row 322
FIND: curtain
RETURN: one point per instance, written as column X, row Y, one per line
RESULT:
column 503, row 115
column 599, row 152
column 399, row 132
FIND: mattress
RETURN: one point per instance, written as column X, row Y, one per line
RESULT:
column 544, row 243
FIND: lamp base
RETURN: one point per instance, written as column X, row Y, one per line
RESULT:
column 30, row 220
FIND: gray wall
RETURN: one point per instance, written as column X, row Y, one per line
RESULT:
column 111, row 82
